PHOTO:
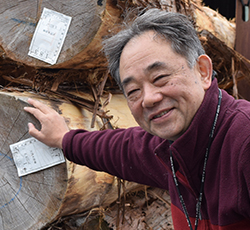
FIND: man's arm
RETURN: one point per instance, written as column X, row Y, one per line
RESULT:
column 53, row 126
column 126, row 153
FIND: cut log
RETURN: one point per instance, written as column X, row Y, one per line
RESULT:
column 90, row 58
column 215, row 23
column 31, row 201
column 39, row 199
column 91, row 21
column 83, row 41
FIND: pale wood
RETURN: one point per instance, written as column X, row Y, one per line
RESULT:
column 215, row 23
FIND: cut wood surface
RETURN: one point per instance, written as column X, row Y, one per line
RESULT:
column 62, row 190
column 31, row 201
column 91, row 22
column 83, row 41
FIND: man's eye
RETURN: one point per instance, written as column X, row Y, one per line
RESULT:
column 161, row 77
column 161, row 80
column 129, row 93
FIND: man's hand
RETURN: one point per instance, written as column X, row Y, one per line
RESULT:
column 53, row 126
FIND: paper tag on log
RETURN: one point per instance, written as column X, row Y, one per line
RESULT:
column 31, row 155
column 49, row 36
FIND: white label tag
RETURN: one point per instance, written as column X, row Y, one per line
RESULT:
column 49, row 36
column 31, row 155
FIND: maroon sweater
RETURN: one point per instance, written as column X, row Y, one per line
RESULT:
column 135, row 155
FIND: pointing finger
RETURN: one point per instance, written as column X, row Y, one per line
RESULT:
column 42, row 107
column 36, row 112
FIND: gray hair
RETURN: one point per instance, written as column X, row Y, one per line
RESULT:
column 174, row 27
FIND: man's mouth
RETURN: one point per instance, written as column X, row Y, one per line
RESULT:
column 160, row 114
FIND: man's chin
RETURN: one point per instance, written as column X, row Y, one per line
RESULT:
column 166, row 135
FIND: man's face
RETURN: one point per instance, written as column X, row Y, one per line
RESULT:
column 163, row 93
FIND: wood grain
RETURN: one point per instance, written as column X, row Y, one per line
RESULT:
column 18, row 20
column 28, row 202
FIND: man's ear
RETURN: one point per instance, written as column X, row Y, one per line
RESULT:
column 205, row 68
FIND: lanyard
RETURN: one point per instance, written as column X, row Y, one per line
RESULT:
column 198, row 204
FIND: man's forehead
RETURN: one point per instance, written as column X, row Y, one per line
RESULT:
column 156, row 65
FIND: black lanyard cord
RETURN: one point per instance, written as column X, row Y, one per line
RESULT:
column 198, row 205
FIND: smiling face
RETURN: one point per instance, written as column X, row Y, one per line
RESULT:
column 163, row 92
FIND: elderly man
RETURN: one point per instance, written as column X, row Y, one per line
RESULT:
column 193, row 139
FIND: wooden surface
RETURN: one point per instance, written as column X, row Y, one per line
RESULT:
column 242, row 31
column 18, row 20
column 31, row 201
column 215, row 23
column 242, row 46
column 85, row 189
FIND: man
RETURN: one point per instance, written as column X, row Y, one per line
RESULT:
column 193, row 139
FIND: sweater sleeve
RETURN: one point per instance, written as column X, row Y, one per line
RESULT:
column 126, row 153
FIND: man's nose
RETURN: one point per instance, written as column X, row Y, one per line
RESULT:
column 151, row 96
